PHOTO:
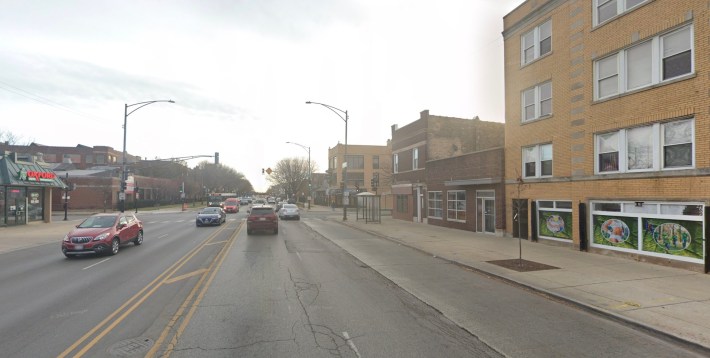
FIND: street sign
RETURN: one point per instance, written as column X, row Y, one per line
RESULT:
column 121, row 196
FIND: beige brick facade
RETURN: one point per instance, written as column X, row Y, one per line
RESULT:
column 578, row 116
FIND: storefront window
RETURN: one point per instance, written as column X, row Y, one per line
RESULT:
column 34, row 205
column 2, row 205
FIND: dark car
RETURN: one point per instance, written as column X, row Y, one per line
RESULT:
column 262, row 218
column 103, row 234
column 212, row 215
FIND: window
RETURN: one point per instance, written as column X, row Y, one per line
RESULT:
column 436, row 210
column 607, row 9
column 356, row 162
column 402, row 201
column 648, row 148
column 100, row 158
column 395, row 162
column 456, row 205
column 415, row 158
column 537, row 161
column 536, row 42
column 375, row 162
column 537, row 102
column 651, row 62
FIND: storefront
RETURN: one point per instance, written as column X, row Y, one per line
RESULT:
column 25, row 190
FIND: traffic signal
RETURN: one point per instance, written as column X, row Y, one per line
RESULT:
column 216, row 157
column 262, row 170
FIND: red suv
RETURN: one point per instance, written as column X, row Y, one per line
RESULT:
column 262, row 218
column 103, row 233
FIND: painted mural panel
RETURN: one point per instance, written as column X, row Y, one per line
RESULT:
column 616, row 231
column 555, row 224
column 673, row 237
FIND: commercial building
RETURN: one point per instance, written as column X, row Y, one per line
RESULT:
column 607, row 124
column 449, row 171
column 25, row 189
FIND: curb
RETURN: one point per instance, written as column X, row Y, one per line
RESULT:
column 694, row 346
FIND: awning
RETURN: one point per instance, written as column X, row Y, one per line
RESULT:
column 27, row 174
column 482, row 181
column 402, row 189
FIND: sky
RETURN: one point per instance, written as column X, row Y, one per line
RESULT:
column 241, row 71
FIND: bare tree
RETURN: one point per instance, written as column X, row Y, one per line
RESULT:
column 518, row 206
column 11, row 138
column 291, row 174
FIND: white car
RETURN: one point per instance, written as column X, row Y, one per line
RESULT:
column 289, row 211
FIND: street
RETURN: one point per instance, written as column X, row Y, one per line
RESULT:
column 316, row 289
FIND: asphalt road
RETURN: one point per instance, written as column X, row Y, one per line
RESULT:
column 317, row 289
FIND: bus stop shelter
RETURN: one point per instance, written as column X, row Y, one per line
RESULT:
column 368, row 207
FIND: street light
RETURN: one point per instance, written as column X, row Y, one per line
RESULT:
column 340, row 113
column 126, row 113
column 309, row 170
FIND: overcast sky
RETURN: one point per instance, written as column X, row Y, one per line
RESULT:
column 241, row 71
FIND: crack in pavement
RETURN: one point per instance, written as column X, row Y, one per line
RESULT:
column 323, row 336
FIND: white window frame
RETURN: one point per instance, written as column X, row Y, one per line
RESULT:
column 434, row 198
column 621, row 7
column 457, row 206
column 538, row 98
column 415, row 158
column 537, row 153
column 658, row 143
column 537, row 38
column 656, row 66
column 395, row 163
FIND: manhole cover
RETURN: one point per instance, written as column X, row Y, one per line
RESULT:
column 130, row 347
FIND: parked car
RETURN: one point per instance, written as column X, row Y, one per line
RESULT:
column 289, row 211
column 262, row 218
column 231, row 205
column 211, row 216
column 103, row 234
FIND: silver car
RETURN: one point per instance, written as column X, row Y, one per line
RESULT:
column 289, row 211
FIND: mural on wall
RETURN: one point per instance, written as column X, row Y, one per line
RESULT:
column 616, row 231
column 673, row 237
column 555, row 224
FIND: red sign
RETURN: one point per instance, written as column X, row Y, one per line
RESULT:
column 39, row 176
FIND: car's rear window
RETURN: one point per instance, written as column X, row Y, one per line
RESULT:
column 210, row 211
column 261, row 211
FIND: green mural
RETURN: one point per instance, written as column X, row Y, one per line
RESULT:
column 616, row 231
column 673, row 237
column 556, row 224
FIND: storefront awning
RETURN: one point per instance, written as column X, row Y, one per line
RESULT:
column 27, row 174
column 482, row 181
column 402, row 189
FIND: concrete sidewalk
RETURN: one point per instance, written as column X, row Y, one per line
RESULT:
column 670, row 301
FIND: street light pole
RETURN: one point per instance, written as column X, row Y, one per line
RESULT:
column 124, row 177
column 309, row 170
column 338, row 111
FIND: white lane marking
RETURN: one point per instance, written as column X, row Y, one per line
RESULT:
column 162, row 236
column 351, row 344
column 299, row 256
column 100, row 262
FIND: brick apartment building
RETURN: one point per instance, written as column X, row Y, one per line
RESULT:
column 364, row 163
column 449, row 172
column 608, row 126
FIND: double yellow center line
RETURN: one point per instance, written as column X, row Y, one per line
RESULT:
column 93, row 336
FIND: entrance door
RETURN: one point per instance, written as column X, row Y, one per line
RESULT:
column 520, row 218
column 489, row 215
column 16, row 205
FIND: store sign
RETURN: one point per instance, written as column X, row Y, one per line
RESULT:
column 31, row 175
